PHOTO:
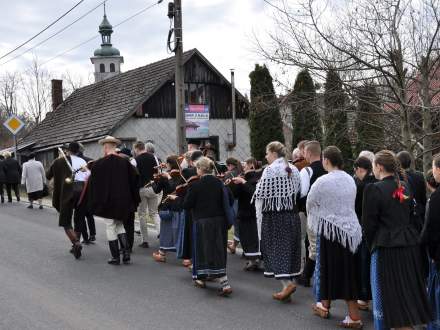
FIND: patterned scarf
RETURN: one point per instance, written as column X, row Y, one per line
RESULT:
column 277, row 189
column 330, row 209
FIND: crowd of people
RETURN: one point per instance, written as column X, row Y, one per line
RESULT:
column 371, row 239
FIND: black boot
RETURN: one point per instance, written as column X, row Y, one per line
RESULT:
column 124, row 247
column 114, row 250
column 309, row 269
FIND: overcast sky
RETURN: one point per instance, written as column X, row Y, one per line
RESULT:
column 221, row 29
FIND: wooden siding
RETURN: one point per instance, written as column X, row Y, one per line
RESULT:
column 162, row 104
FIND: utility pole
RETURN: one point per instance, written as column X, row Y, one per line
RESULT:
column 179, row 78
column 234, row 122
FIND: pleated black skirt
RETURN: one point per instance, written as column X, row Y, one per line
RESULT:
column 210, row 237
column 187, row 248
column 339, row 271
column 248, row 233
column 398, row 287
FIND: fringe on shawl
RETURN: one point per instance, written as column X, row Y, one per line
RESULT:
column 332, row 232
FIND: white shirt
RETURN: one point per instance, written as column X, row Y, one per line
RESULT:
column 77, row 163
column 305, row 175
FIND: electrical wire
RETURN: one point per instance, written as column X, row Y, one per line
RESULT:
column 56, row 33
column 46, row 28
column 96, row 36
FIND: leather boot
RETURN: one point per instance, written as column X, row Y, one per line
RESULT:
column 309, row 269
column 114, row 250
column 124, row 247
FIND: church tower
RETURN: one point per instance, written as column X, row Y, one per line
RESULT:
column 107, row 59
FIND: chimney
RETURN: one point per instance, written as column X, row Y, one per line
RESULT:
column 57, row 93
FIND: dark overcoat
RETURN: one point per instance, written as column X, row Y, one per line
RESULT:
column 2, row 171
column 62, row 198
column 13, row 171
column 113, row 190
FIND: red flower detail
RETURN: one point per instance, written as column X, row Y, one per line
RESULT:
column 399, row 194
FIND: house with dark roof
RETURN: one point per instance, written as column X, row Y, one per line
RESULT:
column 140, row 105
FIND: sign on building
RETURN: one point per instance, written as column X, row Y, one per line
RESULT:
column 197, row 121
column 14, row 124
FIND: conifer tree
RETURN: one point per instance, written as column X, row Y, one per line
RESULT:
column 369, row 123
column 264, row 117
column 305, row 116
column 335, row 117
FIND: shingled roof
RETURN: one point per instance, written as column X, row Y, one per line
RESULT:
column 95, row 110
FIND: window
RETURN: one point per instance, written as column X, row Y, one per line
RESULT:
column 102, row 67
column 195, row 94
column 112, row 67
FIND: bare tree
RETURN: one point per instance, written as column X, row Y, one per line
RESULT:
column 392, row 44
column 71, row 82
column 36, row 91
column 9, row 91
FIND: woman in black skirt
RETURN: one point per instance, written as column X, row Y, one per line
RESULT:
column 278, row 218
column 331, row 215
column 398, row 287
column 205, row 199
column 363, row 176
column 243, row 187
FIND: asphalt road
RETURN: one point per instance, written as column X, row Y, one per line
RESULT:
column 43, row 287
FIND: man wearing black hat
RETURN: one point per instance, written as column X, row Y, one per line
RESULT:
column 69, row 173
column 114, row 195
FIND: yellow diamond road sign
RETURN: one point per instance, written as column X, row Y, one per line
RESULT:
column 14, row 124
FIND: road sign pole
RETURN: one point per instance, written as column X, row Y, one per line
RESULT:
column 15, row 145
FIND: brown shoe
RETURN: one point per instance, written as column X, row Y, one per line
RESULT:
column 200, row 284
column 225, row 292
column 232, row 247
column 348, row 323
column 321, row 311
column 285, row 293
column 159, row 257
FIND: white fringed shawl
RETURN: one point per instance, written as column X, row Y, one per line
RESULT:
column 330, row 209
column 276, row 190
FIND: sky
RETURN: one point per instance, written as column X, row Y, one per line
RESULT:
column 223, row 30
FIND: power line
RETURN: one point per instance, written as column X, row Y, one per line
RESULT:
column 96, row 36
column 47, row 27
column 56, row 33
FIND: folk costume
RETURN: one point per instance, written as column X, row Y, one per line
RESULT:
column 187, row 244
column 64, row 198
column 247, row 218
column 309, row 174
column 205, row 200
column 114, row 195
column 397, row 283
column 34, row 178
column 431, row 239
column 365, row 255
column 279, row 226
column 332, row 217
column 172, row 219
column 148, row 207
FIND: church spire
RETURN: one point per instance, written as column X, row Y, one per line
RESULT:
column 107, row 59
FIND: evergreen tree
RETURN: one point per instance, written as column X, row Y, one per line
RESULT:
column 335, row 117
column 305, row 116
column 264, row 117
column 369, row 123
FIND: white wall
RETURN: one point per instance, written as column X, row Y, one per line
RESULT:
column 163, row 133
